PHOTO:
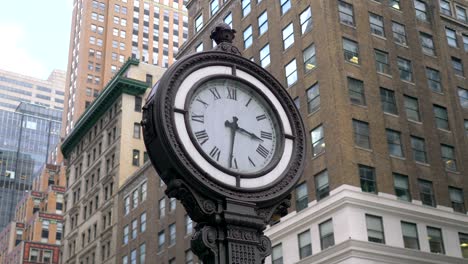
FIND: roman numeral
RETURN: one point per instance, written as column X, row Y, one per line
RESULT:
column 234, row 163
column 232, row 94
column 251, row 162
column 214, row 153
column 261, row 117
column 248, row 102
column 215, row 93
column 266, row 135
column 262, row 151
column 201, row 136
column 203, row 102
column 198, row 118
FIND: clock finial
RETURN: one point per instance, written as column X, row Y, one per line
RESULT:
column 223, row 35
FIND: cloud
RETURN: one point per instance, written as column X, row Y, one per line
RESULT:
column 15, row 58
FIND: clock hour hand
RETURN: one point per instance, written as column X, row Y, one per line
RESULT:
column 252, row 135
column 233, row 127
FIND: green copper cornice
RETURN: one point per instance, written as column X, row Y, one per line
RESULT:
column 118, row 85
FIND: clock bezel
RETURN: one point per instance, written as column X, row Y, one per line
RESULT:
column 273, row 112
column 171, row 160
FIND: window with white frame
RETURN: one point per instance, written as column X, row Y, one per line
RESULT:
column 376, row 25
column 288, row 36
column 262, row 23
column 318, row 142
column 291, row 73
column 305, row 18
column 265, row 55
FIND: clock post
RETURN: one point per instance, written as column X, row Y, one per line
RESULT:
column 229, row 143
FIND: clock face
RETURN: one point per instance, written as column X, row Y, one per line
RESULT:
column 233, row 126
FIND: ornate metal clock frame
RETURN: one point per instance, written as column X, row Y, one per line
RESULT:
column 230, row 215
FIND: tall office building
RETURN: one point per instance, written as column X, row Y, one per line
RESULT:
column 27, row 136
column 16, row 88
column 105, row 33
column 383, row 92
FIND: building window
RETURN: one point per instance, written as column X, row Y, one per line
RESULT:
column 451, row 37
column 214, row 6
column 412, row 108
column 466, row 127
column 327, row 238
column 441, row 117
column 399, row 33
column 410, row 235
column 367, row 178
column 351, row 51
column 322, row 188
column 277, row 254
column 448, row 157
column 310, row 61
column 463, row 96
column 143, row 222
column 285, row 6
column 188, row 224
column 461, row 13
column 265, row 56
column 127, row 205
column 125, row 235
column 457, row 199
column 34, row 255
column 394, row 4
column 288, row 36
column 142, row 253
column 426, row 193
column 434, row 80
column 421, row 10
column 45, row 231
column 188, row 257
column 313, row 98
column 138, row 103
column 405, row 69
column 291, row 73
column 161, row 240
column 318, row 142
column 47, row 256
column 144, row 190
column 136, row 158
column 306, row 20
column 387, row 97
column 346, row 13
column 245, row 7
column 198, row 23
column 445, row 7
column 301, row 197
column 375, row 231
column 262, row 23
column 172, row 204
column 401, row 184
column 361, row 134
column 427, row 44
column 457, row 66
column 395, row 147
column 162, row 208
column 136, row 130
column 199, row 47
column 376, row 25
column 381, row 62
column 305, row 244
column 135, row 199
column 418, row 146
column 134, row 228
column 436, row 242
column 228, row 19
column 463, row 244
column 172, row 234
column 248, row 37
column 356, row 91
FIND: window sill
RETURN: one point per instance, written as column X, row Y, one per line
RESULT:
column 422, row 164
column 318, row 155
column 364, row 149
column 353, row 27
column 313, row 113
column 385, row 75
column 354, row 64
column 453, row 172
column 358, row 105
column 402, row 45
column 378, row 36
column 392, row 115
column 408, row 82
column 397, row 157
column 415, row 122
column 430, row 55
column 445, row 130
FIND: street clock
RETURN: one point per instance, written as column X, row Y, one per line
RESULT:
column 221, row 130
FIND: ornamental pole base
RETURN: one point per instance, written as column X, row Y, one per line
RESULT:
column 236, row 239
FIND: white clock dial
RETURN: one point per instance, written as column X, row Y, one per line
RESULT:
column 233, row 125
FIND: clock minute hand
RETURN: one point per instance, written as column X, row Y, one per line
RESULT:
column 252, row 135
column 233, row 127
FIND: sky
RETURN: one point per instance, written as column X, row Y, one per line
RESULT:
column 34, row 36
